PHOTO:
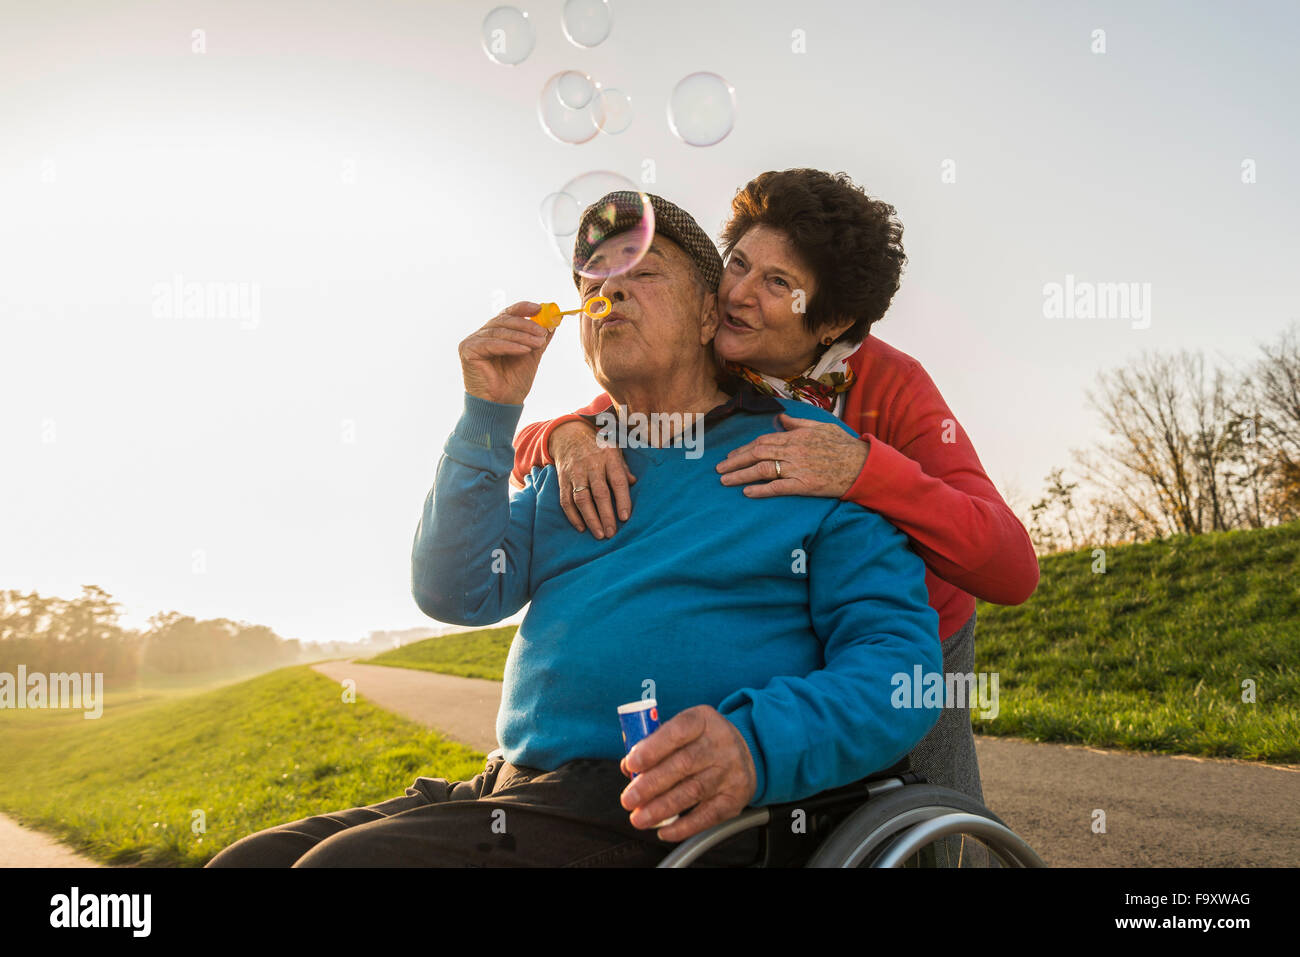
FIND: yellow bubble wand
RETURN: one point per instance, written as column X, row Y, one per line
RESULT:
column 550, row 316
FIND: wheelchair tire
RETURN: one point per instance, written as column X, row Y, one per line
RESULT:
column 867, row 834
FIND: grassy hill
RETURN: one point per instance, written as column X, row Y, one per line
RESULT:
column 124, row 788
column 470, row 654
column 1157, row 651
column 1152, row 653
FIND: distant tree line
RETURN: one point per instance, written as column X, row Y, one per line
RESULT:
column 374, row 643
column 1191, row 450
column 50, row 634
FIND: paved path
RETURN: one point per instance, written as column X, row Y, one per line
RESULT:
column 1160, row 811
column 23, row 847
column 462, row 708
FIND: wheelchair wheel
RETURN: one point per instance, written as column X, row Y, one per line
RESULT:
column 924, row 826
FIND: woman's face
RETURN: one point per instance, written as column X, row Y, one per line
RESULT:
column 762, row 298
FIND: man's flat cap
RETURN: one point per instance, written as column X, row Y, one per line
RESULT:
column 623, row 210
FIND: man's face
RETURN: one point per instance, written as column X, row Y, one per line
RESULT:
column 659, row 318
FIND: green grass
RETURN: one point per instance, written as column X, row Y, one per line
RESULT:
column 1152, row 654
column 252, row 755
column 1149, row 655
column 470, row 654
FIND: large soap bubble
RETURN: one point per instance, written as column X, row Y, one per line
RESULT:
column 586, row 22
column 629, row 215
column 702, row 109
column 508, row 35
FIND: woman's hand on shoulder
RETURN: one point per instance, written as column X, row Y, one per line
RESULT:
column 815, row 458
column 594, row 480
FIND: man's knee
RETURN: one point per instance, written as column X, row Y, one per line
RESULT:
column 273, row 847
column 434, row 835
column 284, row 844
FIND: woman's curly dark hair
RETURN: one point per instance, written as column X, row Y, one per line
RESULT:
column 852, row 243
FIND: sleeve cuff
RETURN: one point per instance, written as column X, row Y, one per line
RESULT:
column 551, row 427
column 486, row 424
column 879, row 471
column 742, row 718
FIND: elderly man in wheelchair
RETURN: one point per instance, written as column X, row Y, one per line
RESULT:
column 768, row 630
column 790, row 621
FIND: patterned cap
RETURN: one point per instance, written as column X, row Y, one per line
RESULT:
column 621, row 210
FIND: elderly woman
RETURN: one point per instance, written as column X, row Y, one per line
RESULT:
column 812, row 264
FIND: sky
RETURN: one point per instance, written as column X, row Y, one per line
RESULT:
column 366, row 182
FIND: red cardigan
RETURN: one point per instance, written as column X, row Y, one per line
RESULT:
column 921, row 473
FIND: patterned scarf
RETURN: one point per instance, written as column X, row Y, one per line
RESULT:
column 822, row 385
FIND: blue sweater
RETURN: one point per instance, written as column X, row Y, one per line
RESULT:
column 790, row 615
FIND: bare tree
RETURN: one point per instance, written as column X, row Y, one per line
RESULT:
column 1193, row 450
column 1148, row 467
column 1273, row 389
column 1178, row 463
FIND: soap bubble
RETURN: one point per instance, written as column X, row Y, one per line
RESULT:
column 559, row 215
column 508, row 36
column 617, row 108
column 628, row 218
column 586, row 22
column 629, row 215
column 564, row 121
column 574, row 89
column 702, row 109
